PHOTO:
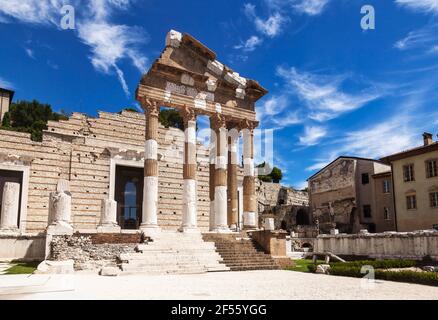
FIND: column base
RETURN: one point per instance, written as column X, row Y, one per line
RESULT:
column 150, row 230
column 189, row 230
column 109, row 229
column 60, row 228
column 222, row 230
column 249, row 221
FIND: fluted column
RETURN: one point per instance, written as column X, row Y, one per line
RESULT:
column 149, row 223
column 212, row 172
column 10, row 207
column 232, row 210
column 189, row 216
column 249, row 196
column 220, row 190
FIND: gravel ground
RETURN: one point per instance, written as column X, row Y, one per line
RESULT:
column 225, row 285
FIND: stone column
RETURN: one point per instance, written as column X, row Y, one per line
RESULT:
column 60, row 210
column 220, row 189
column 249, row 196
column 212, row 172
column 189, row 216
column 10, row 208
column 108, row 217
column 233, row 213
column 149, row 223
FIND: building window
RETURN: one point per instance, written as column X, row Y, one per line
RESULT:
column 411, row 202
column 408, row 173
column 432, row 168
column 386, row 214
column 365, row 178
column 434, row 199
column 367, row 211
column 386, row 186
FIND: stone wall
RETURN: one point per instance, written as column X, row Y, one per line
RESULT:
column 272, row 194
column 388, row 245
column 86, row 254
column 82, row 150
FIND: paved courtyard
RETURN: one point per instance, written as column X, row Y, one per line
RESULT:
column 224, row 285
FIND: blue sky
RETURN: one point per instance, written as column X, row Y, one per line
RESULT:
column 334, row 89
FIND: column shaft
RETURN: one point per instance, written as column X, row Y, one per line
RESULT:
column 149, row 223
column 232, row 181
column 10, row 207
column 212, row 173
column 220, row 190
column 249, row 197
column 189, row 216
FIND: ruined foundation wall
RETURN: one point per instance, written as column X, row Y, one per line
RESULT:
column 391, row 245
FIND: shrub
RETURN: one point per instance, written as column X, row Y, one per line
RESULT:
column 312, row 268
column 377, row 264
column 426, row 278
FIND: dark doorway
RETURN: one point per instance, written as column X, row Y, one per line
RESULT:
column 129, row 196
column 302, row 218
column 11, row 176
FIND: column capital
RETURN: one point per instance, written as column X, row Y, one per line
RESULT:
column 152, row 107
column 218, row 121
column 188, row 114
column 248, row 124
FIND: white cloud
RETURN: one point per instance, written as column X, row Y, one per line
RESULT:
column 323, row 95
column 309, row 7
column 250, row 44
column 32, row 11
column 270, row 27
column 274, row 111
column 110, row 43
column 420, row 5
column 30, row 53
column 425, row 38
column 6, row 84
column 312, row 135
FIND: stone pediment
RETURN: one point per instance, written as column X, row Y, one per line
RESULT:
column 189, row 69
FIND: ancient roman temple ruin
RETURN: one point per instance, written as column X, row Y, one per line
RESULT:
column 121, row 178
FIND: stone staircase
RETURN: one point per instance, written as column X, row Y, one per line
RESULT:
column 173, row 253
column 241, row 253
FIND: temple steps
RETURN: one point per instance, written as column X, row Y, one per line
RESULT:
column 172, row 252
column 241, row 253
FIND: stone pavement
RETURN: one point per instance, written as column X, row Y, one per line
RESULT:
column 255, row 285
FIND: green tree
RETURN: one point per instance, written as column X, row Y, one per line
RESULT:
column 171, row 118
column 31, row 117
column 276, row 175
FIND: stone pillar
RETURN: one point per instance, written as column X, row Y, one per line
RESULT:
column 149, row 223
column 189, row 216
column 233, row 213
column 212, row 172
column 60, row 210
column 10, row 208
column 108, row 217
column 249, row 196
column 220, row 189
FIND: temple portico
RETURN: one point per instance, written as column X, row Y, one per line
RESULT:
column 188, row 77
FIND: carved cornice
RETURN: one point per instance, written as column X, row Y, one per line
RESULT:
column 15, row 159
